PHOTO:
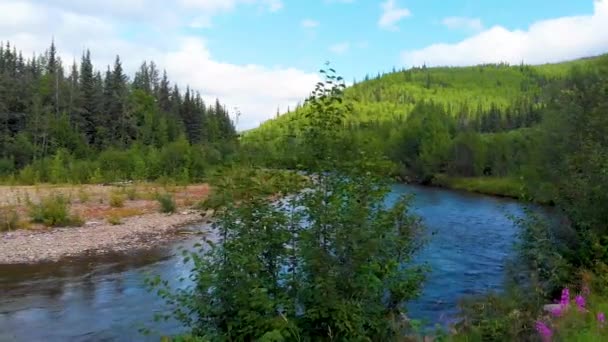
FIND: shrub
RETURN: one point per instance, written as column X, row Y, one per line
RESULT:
column 9, row 218
column 117, row 200
column 53, row 211
column 131, row 193
column 114, row 220
column 167, row 203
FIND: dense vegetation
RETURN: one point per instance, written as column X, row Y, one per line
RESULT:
column 83, row 125
column 278, row 271
column 535, row 132
column 436, row 124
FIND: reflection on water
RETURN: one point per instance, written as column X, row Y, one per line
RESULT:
column 103, row 298
column 85, row 299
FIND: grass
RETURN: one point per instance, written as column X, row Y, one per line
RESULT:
column 54, row 211
column 131, row 193
column 9, row 218
column 114, row 220
column 83, row 195
column 495, row 186
column 167, row 203
column 117, row 200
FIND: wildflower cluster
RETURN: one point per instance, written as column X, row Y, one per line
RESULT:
column 547, row 328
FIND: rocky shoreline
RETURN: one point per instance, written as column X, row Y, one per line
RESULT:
column 137, row 232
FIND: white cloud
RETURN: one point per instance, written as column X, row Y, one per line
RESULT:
column 456, row 23
column 309, row 23
column 340, row 48
column 545, row 41
column 256, row 90
column 391, row 15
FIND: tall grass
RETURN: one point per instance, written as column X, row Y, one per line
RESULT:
column 53, row 211
column 9, row 218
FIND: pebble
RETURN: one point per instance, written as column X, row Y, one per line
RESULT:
column 20, row 247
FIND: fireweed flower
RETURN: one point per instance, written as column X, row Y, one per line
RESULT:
column 544, row 331
column 601, row 318
column 565, row 297
column 557, row 311
column 580, row 302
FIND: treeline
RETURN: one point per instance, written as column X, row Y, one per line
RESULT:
column 48, row 113
column 430, row 140
column 483, row 121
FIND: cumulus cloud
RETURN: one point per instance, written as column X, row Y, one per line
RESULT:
column 456, row 23
column 545, row 41
column 256, row 90
column 391, row 15
column 76, row 25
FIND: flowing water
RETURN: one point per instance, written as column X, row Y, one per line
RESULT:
column 104, row 299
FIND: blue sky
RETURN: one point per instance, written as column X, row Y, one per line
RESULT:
column 247, row 36
column 258, row 56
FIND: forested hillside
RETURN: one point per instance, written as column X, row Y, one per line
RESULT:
column 79, row 123
column 442, row 124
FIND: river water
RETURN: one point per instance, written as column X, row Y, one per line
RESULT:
column 103, row 298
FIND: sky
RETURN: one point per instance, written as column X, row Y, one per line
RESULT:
column 260, row 56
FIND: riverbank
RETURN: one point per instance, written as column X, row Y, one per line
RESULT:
column 135, row 233
column 494, row 186
column 110, row 219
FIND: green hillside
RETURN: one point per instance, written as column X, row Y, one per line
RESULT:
column 392, row 96
column 452, row 122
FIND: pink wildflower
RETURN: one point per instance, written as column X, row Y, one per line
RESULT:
column 544, row 331
column 601, row 318
column 580, row 302
column 565, row 297
column 557, row 311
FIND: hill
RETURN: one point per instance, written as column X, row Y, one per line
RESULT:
column 478, row 121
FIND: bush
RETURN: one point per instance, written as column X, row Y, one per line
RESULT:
column 131, row 193
column 114, row 220
column 167, row 204
column 117, row 200
column 53, row 211
column 9, row 218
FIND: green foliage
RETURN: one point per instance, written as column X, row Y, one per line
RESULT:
column 131, row 193
column 79, row 126
column 114, row 220
column 117, row 200
column 496, row 186
column 232, row 184
column 465, row 122
column 277, row 272
column 53, row 211
column 167, row 203
column 9, row 218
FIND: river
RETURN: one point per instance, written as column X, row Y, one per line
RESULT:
column 103, row 298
